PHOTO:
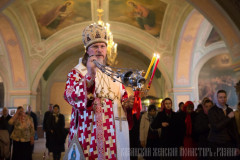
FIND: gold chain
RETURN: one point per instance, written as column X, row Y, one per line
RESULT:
column 108, row 86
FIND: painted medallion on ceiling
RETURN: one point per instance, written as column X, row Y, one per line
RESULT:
column 144, row 14
column 54, row 15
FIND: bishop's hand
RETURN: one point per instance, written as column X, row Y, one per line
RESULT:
column 91, row 67
column 128, row 104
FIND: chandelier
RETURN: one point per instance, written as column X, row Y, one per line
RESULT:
column 111, row 45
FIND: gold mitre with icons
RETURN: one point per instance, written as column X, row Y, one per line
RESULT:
column 94, row 33
column 97, row 32
column 100, row 32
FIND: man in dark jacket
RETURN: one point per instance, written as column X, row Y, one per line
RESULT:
column 34, row 117
column 46, row 118
column 4, row 123
column 47, row 115
column 57, row 133
column 223, row 134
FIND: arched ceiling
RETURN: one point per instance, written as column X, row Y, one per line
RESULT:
column 156, row 19
column 47, row 29
column 232, row 8
column 49, row 17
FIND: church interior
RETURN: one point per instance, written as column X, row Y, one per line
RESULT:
column 41, row 41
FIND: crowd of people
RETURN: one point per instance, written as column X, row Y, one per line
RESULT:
column 210, row 131
column 20, row 130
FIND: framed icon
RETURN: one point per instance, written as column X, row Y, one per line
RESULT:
column 74, row 151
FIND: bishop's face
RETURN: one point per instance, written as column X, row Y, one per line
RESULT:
column 99, row 50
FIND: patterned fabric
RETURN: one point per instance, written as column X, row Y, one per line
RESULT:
column 96, row 129
column 94, row 33
column 99, row 129
column 23, row 129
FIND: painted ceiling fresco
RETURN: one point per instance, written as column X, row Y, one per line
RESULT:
column 217, row 74
column 54, row 15
column 144, row 14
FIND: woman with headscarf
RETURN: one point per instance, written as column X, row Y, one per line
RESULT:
column 22, row 135
column 188, row 143
column 57, row 133
column 167, row 121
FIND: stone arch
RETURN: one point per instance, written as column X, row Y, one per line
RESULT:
column 182, row 89
column 19, row 77
column 222, row 23
column 185, row 49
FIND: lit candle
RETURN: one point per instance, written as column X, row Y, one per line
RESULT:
column 150, row 66
column 154, row 70
column 115, row 48
column 154, row 64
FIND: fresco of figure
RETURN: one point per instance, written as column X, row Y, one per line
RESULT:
column 144, row 16
column 56, row 16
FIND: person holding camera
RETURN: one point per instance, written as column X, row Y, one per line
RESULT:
column 22, row 135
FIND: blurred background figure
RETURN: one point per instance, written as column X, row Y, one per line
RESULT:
column 22, row 135
column 190, row 136
column 199, row 108
column 134, row 137
column 4, row 121
column 237, row 118
column 180, row 106
column 223, row 131
column 202, row 127
column 149, row 137
column 47, row 115
column 5, row 132
column 167, row 122
column 56, row 132
column 35, row 123
column 180, row 115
